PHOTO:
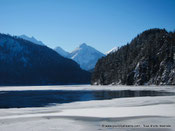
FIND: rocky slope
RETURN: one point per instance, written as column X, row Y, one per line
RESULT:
column 147, row 59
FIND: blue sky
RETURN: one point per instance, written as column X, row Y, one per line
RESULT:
column 102, row 24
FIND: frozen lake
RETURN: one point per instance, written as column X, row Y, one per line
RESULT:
column 87, row 108
column 41, row 98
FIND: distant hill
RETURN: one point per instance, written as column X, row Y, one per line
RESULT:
column 62, row 52
column 32, row 39
column 25, row 63
column 86, row 56
column 147, row 59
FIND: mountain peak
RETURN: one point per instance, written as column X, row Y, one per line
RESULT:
column 86, row 56
column 83, row 45
column 62, row 52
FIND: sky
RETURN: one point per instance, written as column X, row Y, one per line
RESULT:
column 102, row 24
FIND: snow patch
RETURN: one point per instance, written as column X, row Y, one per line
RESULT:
column 112, row 50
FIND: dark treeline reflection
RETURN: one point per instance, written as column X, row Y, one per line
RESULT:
column 21, row 99
column 101, row 95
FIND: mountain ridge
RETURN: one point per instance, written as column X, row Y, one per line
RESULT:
column 31, row 39
column 25, row 63
column 85, row 55
column 149, row 59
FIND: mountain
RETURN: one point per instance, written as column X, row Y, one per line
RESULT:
column 148, row 59
column 62, row 52
column 25, row 63
column 31, row 39
column 112, row 50
column 86, row 56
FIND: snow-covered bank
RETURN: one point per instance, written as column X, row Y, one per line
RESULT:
column 86, row 87
column 93, row 115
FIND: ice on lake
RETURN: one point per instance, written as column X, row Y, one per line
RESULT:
column 87, row 108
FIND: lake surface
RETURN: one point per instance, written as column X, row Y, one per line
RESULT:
column 40, row 98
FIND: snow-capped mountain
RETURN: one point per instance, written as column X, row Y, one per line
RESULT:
column 86, row 56
column 62, row 52
column 112, row 50
column 31, row 39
